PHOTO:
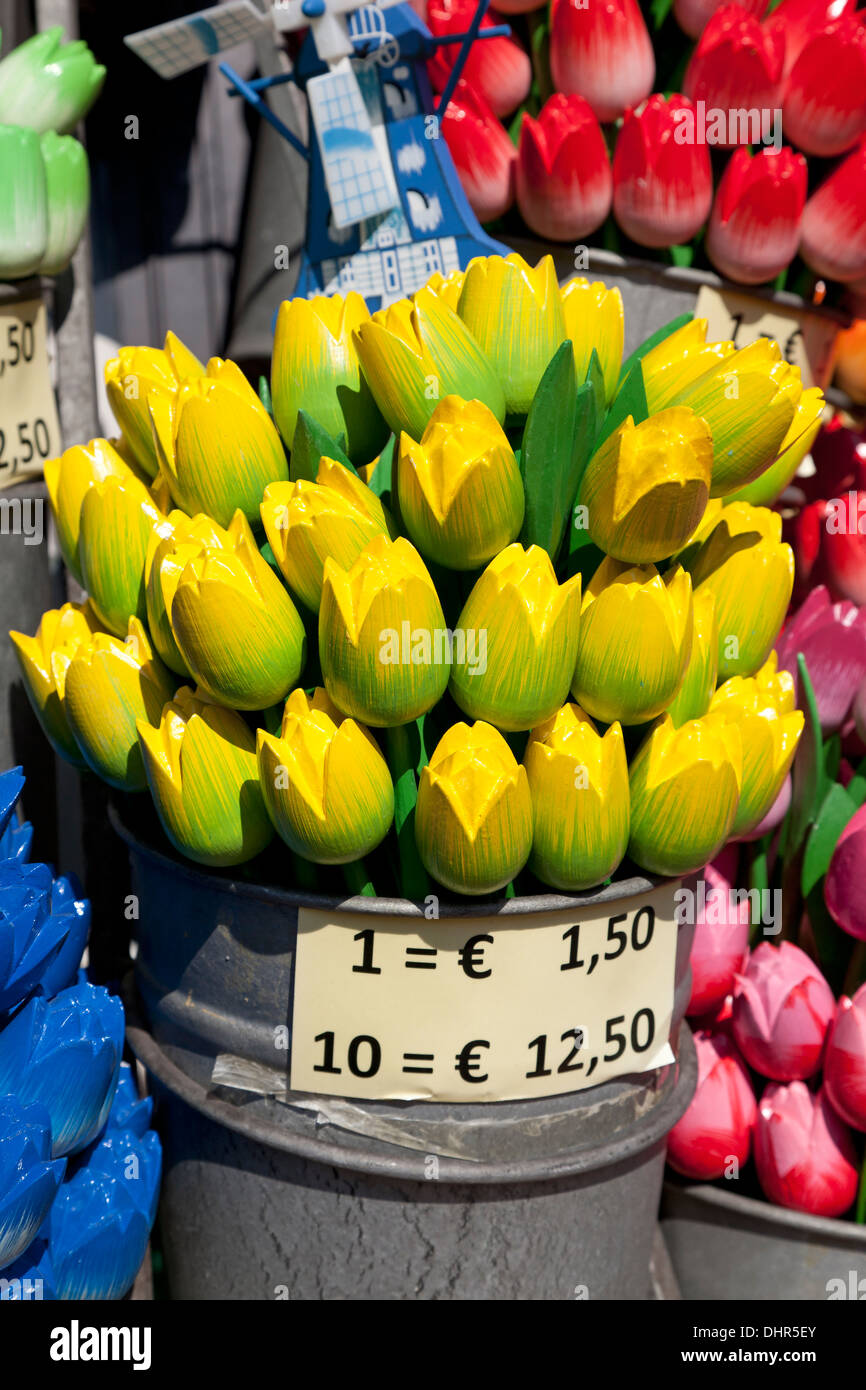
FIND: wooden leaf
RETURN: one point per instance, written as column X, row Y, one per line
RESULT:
column 550, row 453
column 311, row 442
column 630, row 399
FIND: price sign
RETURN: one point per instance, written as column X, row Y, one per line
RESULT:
column 482, row 1009
column 805, row 336
column 29, row 428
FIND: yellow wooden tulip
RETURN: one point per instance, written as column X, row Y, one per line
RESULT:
column 635, row 641
column 795, row 446
column 44, row 661
column 304, row 522
column 200, row 762
column 580, row 800
column 647, row 487
column 118, row 518
column 685, row 788
column 460, row 489
column 235, row 625
column 692, row 700
column 515, row 313
column 383, row 645
column 594, row 318
column 678, row 360
column 172, row 545
column 516, row 641
column 136, row 375
column 68, row 479
column 473, row 820
column 327, row 787
column 770, row 730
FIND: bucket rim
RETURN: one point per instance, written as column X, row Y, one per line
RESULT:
column 644, row 1133
column 636, row 886
column 828, row 1229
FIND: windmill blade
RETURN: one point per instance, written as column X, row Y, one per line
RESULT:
column 183, row 44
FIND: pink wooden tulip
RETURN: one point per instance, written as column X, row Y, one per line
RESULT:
column 498, row 69
column 736, row 65
column 832, row 638
column 721, row 940
column 483, row 155
column 845, row 883
column 693, row 16
column 782, row 1010
column 754, row 227
column 845, row 1060
column 824, row 102
column 795, row 21
column 804, row 1154
column 717, row 1127
column 563, row 172
column 833, row 230
column 600, row 50
column 662, row 189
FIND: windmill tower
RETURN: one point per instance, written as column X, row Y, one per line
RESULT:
column 385, row 208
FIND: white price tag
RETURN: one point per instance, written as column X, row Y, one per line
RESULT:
column 29, row 427
column 482, row 1008
column 805, row 336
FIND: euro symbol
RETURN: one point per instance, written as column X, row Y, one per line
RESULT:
column 472, row 956
column 467, row 1062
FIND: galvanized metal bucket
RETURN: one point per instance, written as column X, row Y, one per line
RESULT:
column 274, row 1194
column 726, row 1246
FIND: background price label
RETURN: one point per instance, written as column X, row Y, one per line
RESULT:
column 805, row 336
column 482, row 1009
column 29, row 427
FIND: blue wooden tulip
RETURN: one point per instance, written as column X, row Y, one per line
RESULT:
column 127, row 1110
column 30, row 1278
column 29, row 1179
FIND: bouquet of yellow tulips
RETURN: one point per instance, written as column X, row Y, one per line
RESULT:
column 459, row 596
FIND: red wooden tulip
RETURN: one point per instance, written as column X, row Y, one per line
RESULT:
column 845, row 884
column 737, row 66
column 833, row 231
column 804, row 1155
column 782, row 1010
column 721, row 940
column 563, row 173
column 845, row 1060
column 832, row 638
column 483, row 155
column 824, row 102
column 662, row 188
column 754, row 227
column 601, row 50
column 718, row 1125
column 693, row 16
column 797, row 20
column 498, row 69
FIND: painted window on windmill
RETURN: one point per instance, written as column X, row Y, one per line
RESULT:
column 357, row 165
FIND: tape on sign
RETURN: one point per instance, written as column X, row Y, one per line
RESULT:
column 482, row 1008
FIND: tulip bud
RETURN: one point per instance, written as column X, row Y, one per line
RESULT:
column 804, row 1155
column 118, row 517
column 516, row 641
column 172, row 545
column 337, row 515
column 515, row 313
column 721, row 941
column 580, row 804
column 845, row 1060
column 413, row 354
column 634, row 677
column 754, row 229
column 473, row 820
column 782, row 1010
column 832, row 639
column 825, row 95
column 498, row 69
column 750, row 573
column 594, row 320
column 460, row 489
column 749, row 401
column 692, row 700
column 716, row 1130
column 383, row 644
column 47, row 84
column 44, row 661
column 662, row 187
column 678, row 360
column 315, row 368
column 200, row 762
column 29, row 1179
column 684, row 785
column 736, row 66
column 217, row 445
column 844, row 889
column 24, row 226
column 235, row 626
column 326, row 786
column 68, row 480
column 563, row 176
column 109, row 686
column 483, row 156
column 67, row 176
column 602, row 51
column 136, row 376
column 802, row 432
column 833, row 230
column 762, row 708
column 646, row 488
